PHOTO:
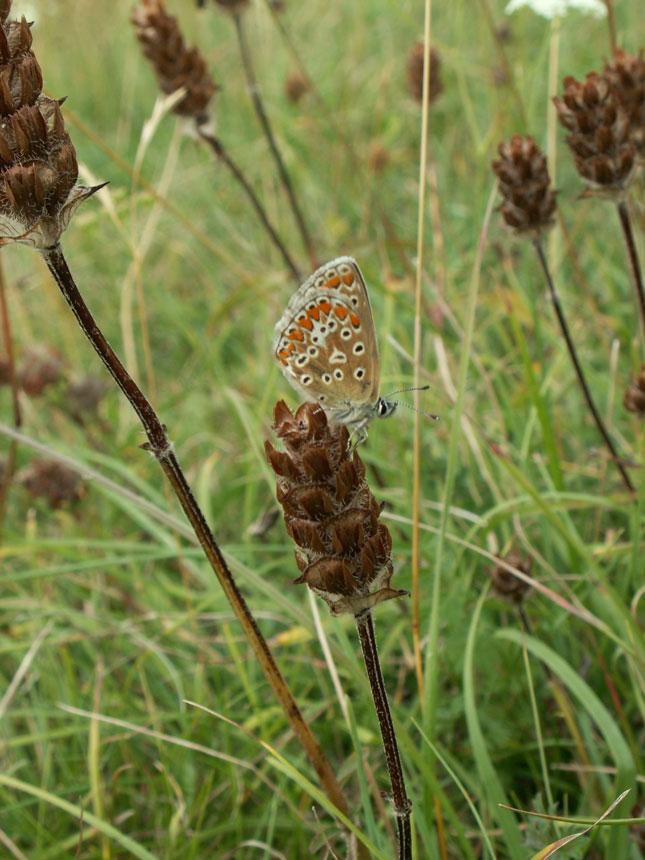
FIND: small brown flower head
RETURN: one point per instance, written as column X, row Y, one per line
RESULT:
column 634, row 399
column 176, row 66
column 415, row 73
column 344, row 550
column 378, row 156
column 38, row 168
column 506, row 585
column 38, row 369
column 52, row 481
column 295, row 86
column 529, row 202
column 84, row 395
column 625, row 77
column 600, row 140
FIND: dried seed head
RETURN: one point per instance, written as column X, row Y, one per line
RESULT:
column 600, row 139
column 295, row 86
column 38, row 169
column 529, row 202
column 176, row 66
column 38, row 369
column 506, row 585
column 51, row 480
column 625, row 77
column 344, row 550
column 634, row 399
column 415, row 73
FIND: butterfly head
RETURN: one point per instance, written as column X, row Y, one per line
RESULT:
column 384, row 408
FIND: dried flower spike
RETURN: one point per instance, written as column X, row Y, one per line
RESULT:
column 529, row 202
column 634, row 400
column 506, row 585
column 344, row 549
column 415, row 73
column 51, row 480
column 600, row 140
column 38, row 168
column 176, row 66
column 625, row 77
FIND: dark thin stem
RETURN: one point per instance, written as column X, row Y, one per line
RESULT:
column 400, row 801
column 581, row 378
column 15, row 402
column 626, row 224
column 159, row 445
column 264, row 122
column 218, row 148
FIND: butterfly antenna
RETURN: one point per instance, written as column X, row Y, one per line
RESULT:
column 401, row 390
column 420, row 411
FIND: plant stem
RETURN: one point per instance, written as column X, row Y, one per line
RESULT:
column 581, row 378
column 10, row 465
column 218, row 148
column 626, row 224
column 159, row 445
column 264, row 122
column 400, row 801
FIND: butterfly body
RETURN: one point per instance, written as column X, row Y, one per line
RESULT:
column 325, row 345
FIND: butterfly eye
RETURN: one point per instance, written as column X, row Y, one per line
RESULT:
column 358, row 348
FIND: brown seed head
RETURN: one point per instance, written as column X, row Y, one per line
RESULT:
column 38, row 169
column 84, row 395
column 625, row 77
column 599, row 138
column 529, row 202
column 176, row 66
column 52, row 481
column 634, row 399
column 38, row 369
column 295, row 86
column 344, row 550
column 506, row 585
column 415, row 73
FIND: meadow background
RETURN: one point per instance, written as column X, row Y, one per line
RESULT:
column 106, row 607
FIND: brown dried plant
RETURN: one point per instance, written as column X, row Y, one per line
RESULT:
column 415, row 73
column 634, row 399
column 625, row 77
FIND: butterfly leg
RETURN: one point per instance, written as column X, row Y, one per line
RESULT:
column 359, row 435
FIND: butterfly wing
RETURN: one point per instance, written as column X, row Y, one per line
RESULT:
column 325, row 342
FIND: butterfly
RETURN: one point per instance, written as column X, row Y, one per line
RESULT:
column 325, row 344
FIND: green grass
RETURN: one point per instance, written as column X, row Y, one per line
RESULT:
column 134, row 622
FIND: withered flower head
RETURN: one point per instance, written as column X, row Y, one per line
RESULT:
column 344, row 550
column 51, row 480
column 295, row 86
column 38, row 168
column 506, row 585
column 176, row 66
column 634, row 399
column 625, row 77
column 415, row 73
column 38, row 369
column 600, row 140
column 529, row 202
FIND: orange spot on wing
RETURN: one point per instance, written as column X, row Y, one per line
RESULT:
column 314, row 313
column 355, row 320
column 306, row 323
column 340, row 312
column 283, row 361
column 348, row 278
column 283, row 353
column 334, row 281
column 324, row 306
column 291, row 348
column 296, row 335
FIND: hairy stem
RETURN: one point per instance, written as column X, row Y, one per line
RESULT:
column 219, row 150
column 159, row 445
column 400, row 801
column 268, row 132
column 626, row 224
column 576, row 364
